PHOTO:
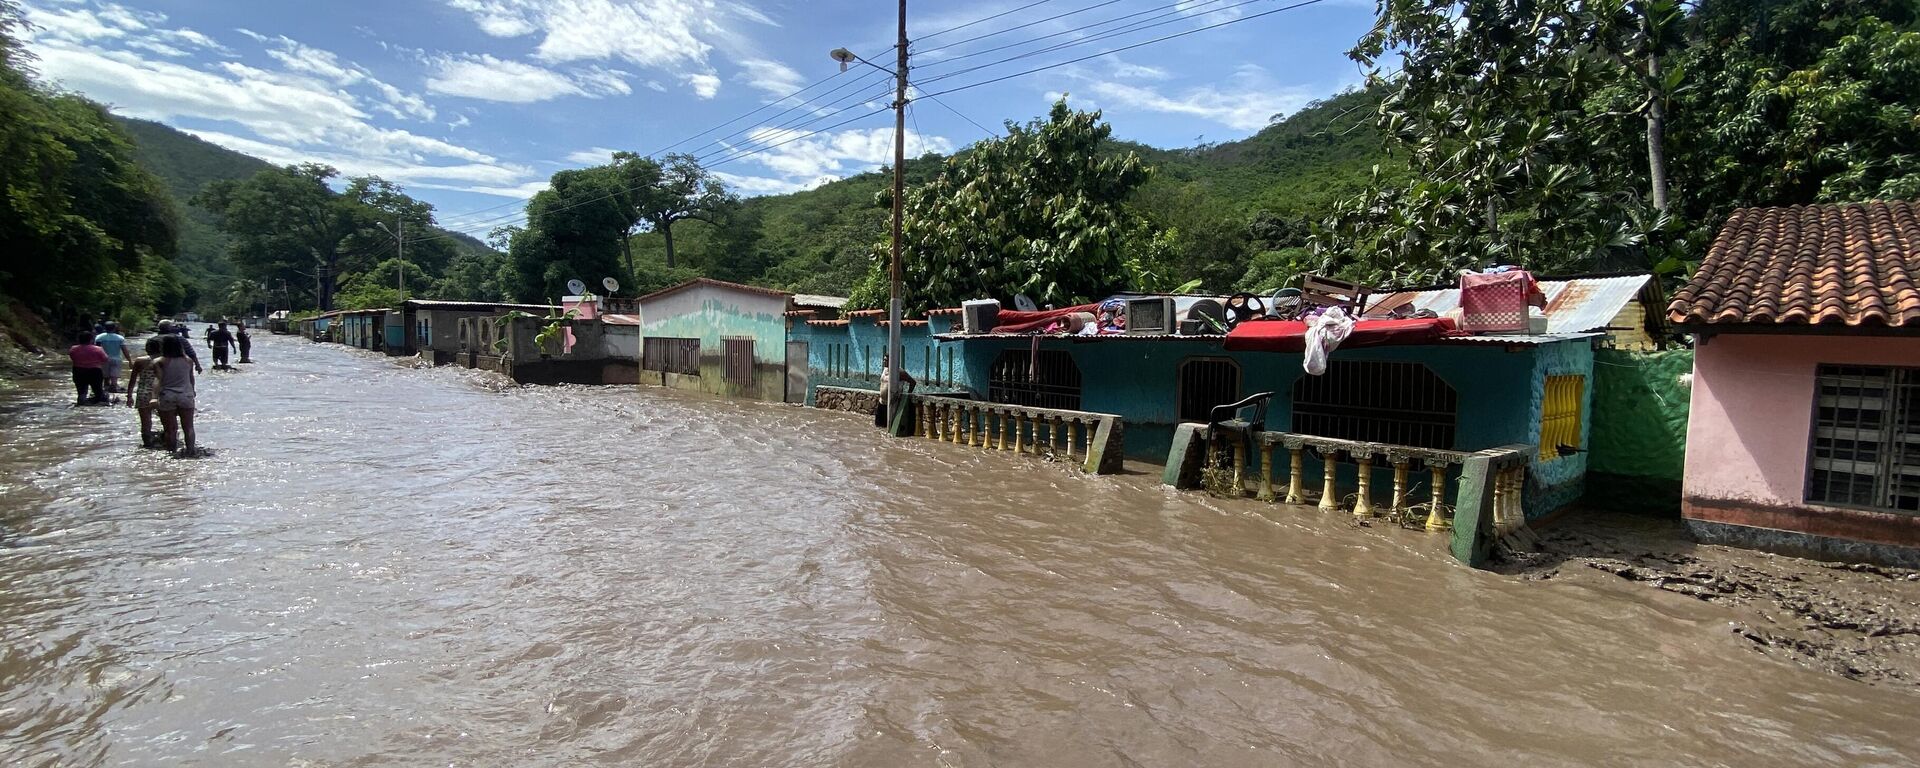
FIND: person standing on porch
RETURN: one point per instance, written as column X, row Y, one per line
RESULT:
column 881, row 409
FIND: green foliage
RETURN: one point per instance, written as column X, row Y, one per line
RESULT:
column 1534, row 130
column 84, row 229
column 1039, row 212
column 682, row 190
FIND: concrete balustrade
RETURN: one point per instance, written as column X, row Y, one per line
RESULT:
column 1488, row 505
column 1092, row 440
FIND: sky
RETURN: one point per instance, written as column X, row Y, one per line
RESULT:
column 472, row 104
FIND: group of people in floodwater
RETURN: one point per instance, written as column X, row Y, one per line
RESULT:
column 160, row 381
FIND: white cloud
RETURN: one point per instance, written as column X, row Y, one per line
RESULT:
column 483, row 76
column 705, row 86
column 770, row 77
column 669, row 36
column 108, row 21
column 802, row 162
column 593, row 156
column 298, row 57
column 459, row 121
column 1247, row 102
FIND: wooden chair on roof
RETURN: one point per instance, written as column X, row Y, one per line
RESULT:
column 1317, row 292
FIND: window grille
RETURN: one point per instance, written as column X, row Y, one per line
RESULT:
column 1865, row 448
column 1044, row 379
column 1204, row 383
column 1377, row 401
column 671, row 355
column 739, row 361
column 1560, row 414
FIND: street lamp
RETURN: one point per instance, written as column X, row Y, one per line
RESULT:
column 895, row 359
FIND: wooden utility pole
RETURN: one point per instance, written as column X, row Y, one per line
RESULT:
column 896, row 361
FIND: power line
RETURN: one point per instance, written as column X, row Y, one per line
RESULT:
column 963, row 115
column 842, row 104
column 1182, row 8
column 799, row 137
column 1037, row 22
column 1128, row 29
column 1112, row 51
column 983, row 20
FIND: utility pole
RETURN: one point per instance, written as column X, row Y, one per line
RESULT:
column 896, row 360
column 400, row 243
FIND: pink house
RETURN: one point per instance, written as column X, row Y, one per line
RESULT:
column 1804, row 434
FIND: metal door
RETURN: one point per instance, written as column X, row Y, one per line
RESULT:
column 797, row 372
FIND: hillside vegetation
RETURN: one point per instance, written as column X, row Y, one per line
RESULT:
column 1228, row 211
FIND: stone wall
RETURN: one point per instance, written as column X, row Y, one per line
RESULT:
column 846, row 399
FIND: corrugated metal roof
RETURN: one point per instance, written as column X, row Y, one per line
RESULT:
column 611, row 319
column 475, row 306
column 1573, row 306
column 814, row 300
column 1521, row 339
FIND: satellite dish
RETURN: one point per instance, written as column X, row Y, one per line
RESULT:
column 612, row 285
column 1025, row 303
column 576, row 287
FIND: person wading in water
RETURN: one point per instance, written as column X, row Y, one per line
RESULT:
column 175, row 399
column 89, row 371
column 246, row 345
column 143, row 385
column 221, row 340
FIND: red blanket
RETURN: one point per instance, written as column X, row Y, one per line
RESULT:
column 1014, row 321
column 1291, row 335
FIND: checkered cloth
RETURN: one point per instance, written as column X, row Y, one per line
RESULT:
column 1495, row 303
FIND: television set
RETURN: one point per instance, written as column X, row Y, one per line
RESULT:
column 1150, row 315
column 979, row 315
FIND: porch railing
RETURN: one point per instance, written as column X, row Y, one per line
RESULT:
column 1094, row 440
column 1490, row 491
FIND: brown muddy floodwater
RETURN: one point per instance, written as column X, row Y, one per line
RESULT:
column 392, row 566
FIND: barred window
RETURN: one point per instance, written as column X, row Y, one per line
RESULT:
column 671, row 355
column 1865, row 448
column 1204, row 383
column 1377, row 401
column 1560, row 414
column 1043, row 379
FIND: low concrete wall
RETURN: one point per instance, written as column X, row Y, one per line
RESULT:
column 846, row 399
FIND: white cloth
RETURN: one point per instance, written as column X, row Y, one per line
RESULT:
column 1324, row 334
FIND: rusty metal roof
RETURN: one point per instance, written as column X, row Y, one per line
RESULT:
column 1574, row 305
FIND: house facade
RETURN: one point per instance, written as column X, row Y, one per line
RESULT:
column 716, row 337
column 1804, row 433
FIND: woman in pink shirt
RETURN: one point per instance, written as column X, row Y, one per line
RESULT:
column 89, row 371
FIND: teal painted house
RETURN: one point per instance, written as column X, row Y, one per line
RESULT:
column 717, row 337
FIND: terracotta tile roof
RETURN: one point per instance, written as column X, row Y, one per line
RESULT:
column 1850, row 264
column 945, row 311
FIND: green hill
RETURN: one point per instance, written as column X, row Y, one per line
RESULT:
column 1235, row 210
column 186, row 164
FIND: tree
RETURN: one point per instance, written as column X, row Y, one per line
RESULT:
column 576, row 229
column 685, row 191
column 1041, row 211
column 286, row 221
column 1492, row 111
column 84, row 228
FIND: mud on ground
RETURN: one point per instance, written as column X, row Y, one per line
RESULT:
column 1858, row 621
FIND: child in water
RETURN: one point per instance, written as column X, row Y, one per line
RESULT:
column 143, row 384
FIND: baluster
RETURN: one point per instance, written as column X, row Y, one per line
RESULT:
column 1042, row 426
column 1500, row 502
column 1006, row 430
column 920, row 425
column 967, row 415
column 1266, row 472
column 1329, row 500
column 1295, row 463
column 952, row 424
column 1399, row 487
column 1516, row 498
column 1239, row 467
column 1019, row 434
column 1072, row 428
column 1056, row 433
column 1363, row 500
column 985, row 428
column 1437, row 496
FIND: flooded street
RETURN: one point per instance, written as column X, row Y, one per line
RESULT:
column 383, row 565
